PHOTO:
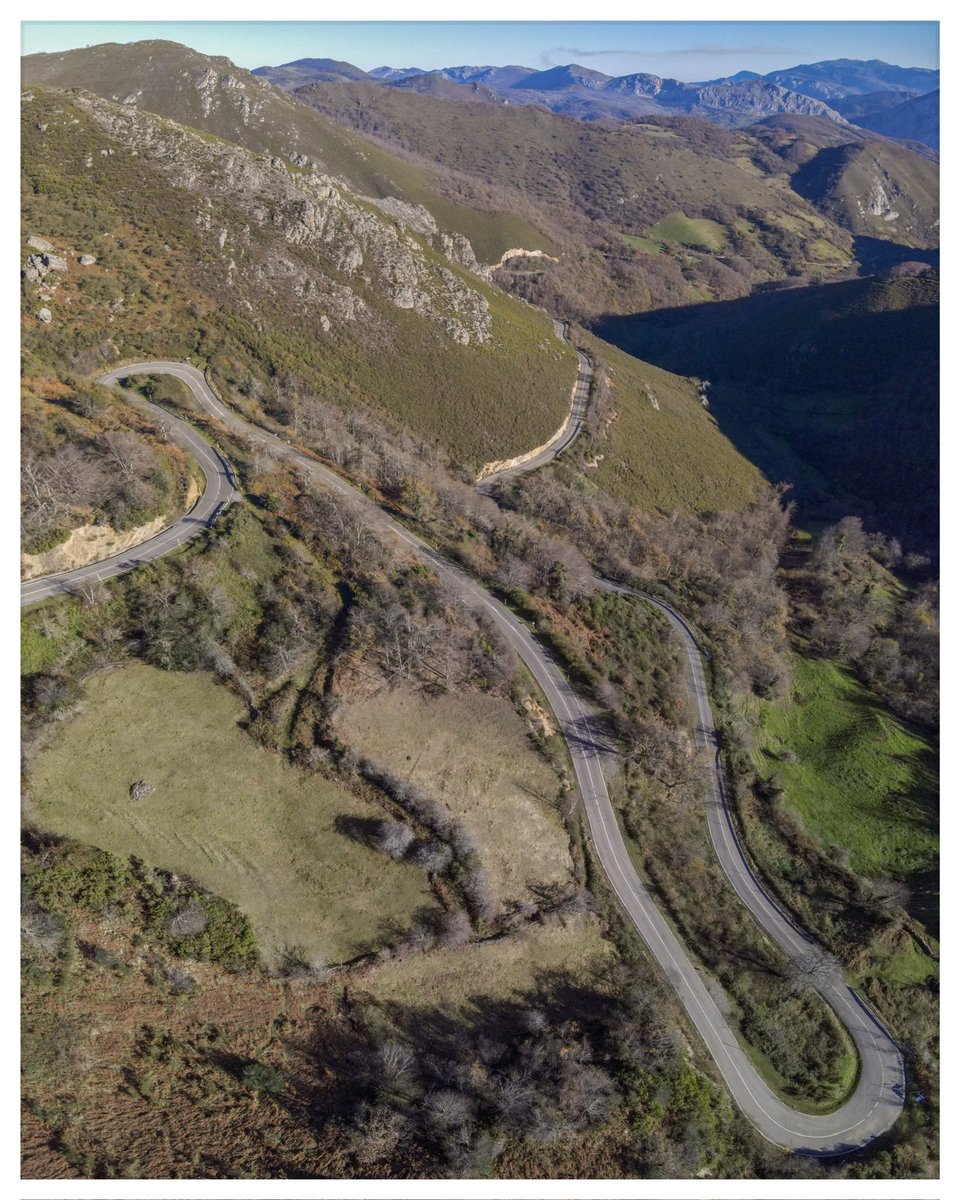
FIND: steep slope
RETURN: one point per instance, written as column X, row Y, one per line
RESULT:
column 832, row 388
column 278, row 276
column 916, row 119
column 834, row 78
column 215, row 96
column 651, row 442
column 875, row 189
column 598, row 183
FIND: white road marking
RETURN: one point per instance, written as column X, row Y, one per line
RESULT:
column 574, row 722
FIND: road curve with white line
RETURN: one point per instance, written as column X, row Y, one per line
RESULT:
column 218, row 493
column 567, row 433
column 879, row 1095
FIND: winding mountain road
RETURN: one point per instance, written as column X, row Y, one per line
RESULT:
column 567, row 433
column 879, row 1095
column 218, row 493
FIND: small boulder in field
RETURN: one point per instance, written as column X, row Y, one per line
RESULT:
column 53, row 262
column 87, row 260
column 45, row 315
column 39, row 243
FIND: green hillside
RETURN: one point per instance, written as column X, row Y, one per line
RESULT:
column 857, row 778
column 214, row 95
column 834, row 389
column 875, row 189
column 653, row 443
column 205, row 250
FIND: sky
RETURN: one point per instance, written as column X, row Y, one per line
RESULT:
column 686, row 50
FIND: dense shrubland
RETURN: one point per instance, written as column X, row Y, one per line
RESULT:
column 297, row 589
column 860, row 599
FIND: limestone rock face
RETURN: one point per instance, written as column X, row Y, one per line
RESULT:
column 348, row 253
column 35, row 268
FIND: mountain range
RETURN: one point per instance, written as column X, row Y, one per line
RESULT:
column 823, row 89
column 320, row 235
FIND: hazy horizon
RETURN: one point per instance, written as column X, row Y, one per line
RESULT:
column 686, row 50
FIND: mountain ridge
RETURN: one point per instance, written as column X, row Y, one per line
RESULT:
column 815, row 89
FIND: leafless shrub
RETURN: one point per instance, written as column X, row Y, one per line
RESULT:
column 513, row 1097
column 43, row 930
column 454, row 930
column 92, row 593
column 181, row 982
column 420, row 938
column 432, row 857
column 188, row 921
column 461, row 840
column 395, row 1064
column 885, row 898
column 393, row 838
column 478, row 891
column 296, row 964
column 377, row 1133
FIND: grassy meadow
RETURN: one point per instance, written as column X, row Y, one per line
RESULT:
column 671, row 457
column 506, row 969
column 855, row 775
column 223, row 811
column 502, row 789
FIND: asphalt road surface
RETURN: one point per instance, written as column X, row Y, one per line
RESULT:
column 218, row 493
column 879, row 1095
column 571, row 427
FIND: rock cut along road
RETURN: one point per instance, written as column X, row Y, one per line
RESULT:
column 878, row 1097
column 566, row 434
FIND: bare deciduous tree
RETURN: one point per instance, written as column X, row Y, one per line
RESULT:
column 432, row 857
column 41, row 929
column 448, row 1108
column 393, row 838
column 188, row 921
column 815, row 968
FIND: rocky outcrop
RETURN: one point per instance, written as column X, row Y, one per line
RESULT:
column 411, row 216
column 87, row 544
column 743, row 103
column 348, row 251
column 458, row 249
column 39, row 243
column 515, row 252
column 34, row 269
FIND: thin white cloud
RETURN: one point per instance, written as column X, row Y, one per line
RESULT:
column 557, row 55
